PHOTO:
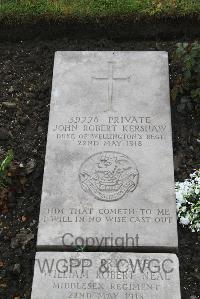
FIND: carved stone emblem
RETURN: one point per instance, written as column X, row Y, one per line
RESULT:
column 110, row 79
column 108, row 175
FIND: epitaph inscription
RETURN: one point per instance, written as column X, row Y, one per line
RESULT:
column 108, row 175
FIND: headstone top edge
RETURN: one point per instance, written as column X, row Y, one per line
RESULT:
column 164, row 53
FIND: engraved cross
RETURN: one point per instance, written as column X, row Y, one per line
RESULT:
column 111, row 78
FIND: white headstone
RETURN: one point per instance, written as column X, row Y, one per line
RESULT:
column 101, row 275
column 108, row 179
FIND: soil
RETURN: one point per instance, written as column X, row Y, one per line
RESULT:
column 26, row 75
column 128, row 27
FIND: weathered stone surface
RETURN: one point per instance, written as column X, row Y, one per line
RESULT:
column 97, row 275
column 109, row 162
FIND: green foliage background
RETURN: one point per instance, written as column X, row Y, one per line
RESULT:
column 96, row 8
column 188, row 82
column 4, row 165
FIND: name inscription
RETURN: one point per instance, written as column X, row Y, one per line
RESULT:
column 110, row 131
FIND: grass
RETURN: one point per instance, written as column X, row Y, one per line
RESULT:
column 62, row 9
column 4, row 165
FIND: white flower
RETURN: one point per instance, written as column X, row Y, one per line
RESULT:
column 198, row 226
column 187, row 186
column 178, row 205
column 184, row 187
column 187, row 201
column 184, row 209
column 184, row 220
column 179, row 197
column 197, row 179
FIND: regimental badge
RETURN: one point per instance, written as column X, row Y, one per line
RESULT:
column 108, row 175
